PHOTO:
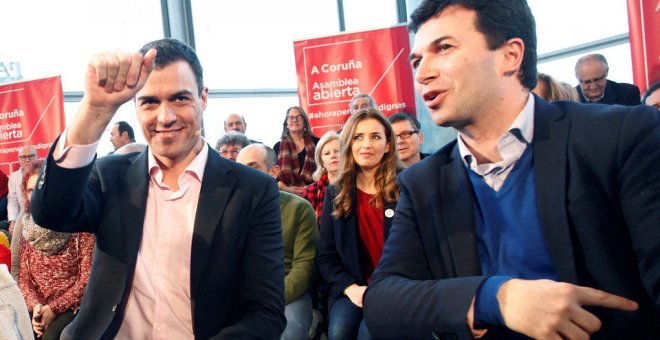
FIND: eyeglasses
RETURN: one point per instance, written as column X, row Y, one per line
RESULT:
column 589, row 81
column 24, row 157
column 233, row 152
column 407, row 134
column 294, row 118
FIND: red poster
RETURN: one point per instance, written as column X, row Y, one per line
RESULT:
column 31, row 113
column 331, row 70
column 644, row 26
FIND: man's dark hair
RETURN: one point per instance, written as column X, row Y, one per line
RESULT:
column 498, row 20
column 124, row 127
column 405, row 116
column 650, row 90
column 172, row 50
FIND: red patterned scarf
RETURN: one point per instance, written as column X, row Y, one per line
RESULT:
column 290, row 173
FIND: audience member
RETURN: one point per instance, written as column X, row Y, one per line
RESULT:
column 300, row 236
column 536, row 215
column 189, row 244
column 651, row 96
column 54, row 270
column 357, row 214
column 295, row 152
column 4, row 191
column 230, row 144
column 326, row 157
column 121, row 134
column 14, row 317
column 409, row 138
column 551, row 90
column 15, row 204
column 594, row 87
column 236, row 122
column 362, row 101
column 129, row 148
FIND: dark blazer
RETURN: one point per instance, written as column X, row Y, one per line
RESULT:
column 597, row 173
column 237, row 272
column 339, row 247
column 615, row 93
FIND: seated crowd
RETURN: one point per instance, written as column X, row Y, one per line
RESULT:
column 355, row 234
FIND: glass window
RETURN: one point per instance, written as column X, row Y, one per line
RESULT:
column 362, row 15
column 565, row 23
column 264, row 117
column 54, row 37
column 618, row 58
column 249, row 44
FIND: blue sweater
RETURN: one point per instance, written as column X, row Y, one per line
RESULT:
column 510, row 241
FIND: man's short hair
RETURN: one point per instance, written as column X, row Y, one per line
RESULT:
column 594, row 56
column 124, row 127
column 172, row 50
column 372, row 101
column 397, row 117
column 232, row 138
column 655, row 86
column 271, row 156
column 498, row 20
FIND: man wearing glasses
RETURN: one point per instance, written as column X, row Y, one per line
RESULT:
column 409, row 138
column 26, row 156
column 591, row 72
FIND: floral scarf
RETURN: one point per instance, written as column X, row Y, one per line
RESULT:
column 44, row 240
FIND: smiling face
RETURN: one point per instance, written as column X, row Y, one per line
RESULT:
column 170, row 111
column 369, row 144
column 455, row 72
column 294, row 121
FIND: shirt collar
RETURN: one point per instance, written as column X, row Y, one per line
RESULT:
column 522, row 128
column 195, row 168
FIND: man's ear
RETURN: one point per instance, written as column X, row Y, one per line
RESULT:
column 421, row 137
column 274, row 171
column 512, row 52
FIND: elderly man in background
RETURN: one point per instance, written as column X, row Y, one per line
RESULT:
column 15, row 203
column 236, row 122
column 362, row 101
column 591, row 72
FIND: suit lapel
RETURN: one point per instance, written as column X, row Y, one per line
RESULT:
column 458, row 217
column 214, row 194
column 550, row 149
column 137, row 183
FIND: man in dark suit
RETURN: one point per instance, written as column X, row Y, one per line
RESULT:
column 591, row 72
column 188, row 244
column 540, row 219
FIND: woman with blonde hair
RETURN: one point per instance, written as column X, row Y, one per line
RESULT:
column 327, row 168
column 552, row 90
column 357, row 215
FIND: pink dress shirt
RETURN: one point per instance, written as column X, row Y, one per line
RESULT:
column 159, row 305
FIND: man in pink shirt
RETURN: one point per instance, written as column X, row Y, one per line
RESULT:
column 188, row 244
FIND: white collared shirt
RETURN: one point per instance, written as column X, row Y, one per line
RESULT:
column 510, row 145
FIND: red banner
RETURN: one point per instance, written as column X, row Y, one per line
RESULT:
column 331, row 70
column 644, row 26
column 31, row 113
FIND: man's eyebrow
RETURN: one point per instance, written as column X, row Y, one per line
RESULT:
column 435, row 42
column 178, row 94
